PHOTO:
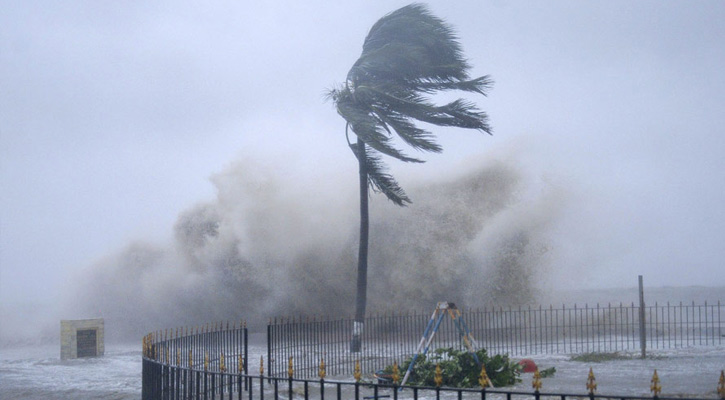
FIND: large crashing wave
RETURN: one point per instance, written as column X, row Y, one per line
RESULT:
column 264, row 248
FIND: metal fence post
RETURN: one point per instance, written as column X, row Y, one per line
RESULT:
column 642, row 331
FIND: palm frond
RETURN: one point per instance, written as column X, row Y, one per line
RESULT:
column 459, row 113
column 417, row 138
column 413, row 32
column 367, row 127
column 380, row 180
column 407, row 55
column 479, row 85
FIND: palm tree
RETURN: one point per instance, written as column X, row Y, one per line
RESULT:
column 407, row 56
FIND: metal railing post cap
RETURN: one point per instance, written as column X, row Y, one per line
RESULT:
column 591, row 382
column 438, row 378
column 357, row 373
column 536, row 383
column 321, row 373
column 483, row 379
column 655, row 387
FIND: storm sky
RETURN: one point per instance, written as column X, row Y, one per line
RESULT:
column 114, row 116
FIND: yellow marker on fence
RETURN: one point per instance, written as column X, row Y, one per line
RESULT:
column 178, row 355
column 321, row 373
column 721, row 385
column 655, row 387
column 357, row 373
column 190, row 359
column 396, row 373
column 222, row 365
column 483, row 378
column 206, row 361
column 261, row 365
column 591, row 382
column 240, row 365
column 290, row 368
column 438, row 378
column 536, row 384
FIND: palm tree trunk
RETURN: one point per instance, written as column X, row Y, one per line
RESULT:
column 362, row 261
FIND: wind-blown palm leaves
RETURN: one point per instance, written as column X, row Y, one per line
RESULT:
column 408, row 55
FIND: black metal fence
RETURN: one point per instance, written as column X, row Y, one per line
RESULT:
column 212, row 363
column 193, row 363
column 517, row 332
column 185, row 383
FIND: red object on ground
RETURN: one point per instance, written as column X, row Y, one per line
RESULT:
column 528, row 364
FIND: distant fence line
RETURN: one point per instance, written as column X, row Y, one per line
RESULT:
column 514, row 331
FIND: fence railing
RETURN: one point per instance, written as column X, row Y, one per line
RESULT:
column 211, row 361
column 189, row 360
column 178, row 382
column 517, row 332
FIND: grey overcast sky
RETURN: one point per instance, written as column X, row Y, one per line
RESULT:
column 113, row 116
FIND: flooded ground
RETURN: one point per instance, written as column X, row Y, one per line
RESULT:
column 38, row 373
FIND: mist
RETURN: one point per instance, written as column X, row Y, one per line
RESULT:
column 268, row 247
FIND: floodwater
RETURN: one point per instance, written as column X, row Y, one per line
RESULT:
column 38, row 373
column 682, row 372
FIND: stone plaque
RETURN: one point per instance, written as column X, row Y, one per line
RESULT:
column 86, row 342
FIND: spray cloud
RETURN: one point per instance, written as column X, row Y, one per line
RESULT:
column 265, row 247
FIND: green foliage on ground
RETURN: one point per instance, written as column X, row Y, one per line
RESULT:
column 459, row 369
column 599, row 357
column 547, row 373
